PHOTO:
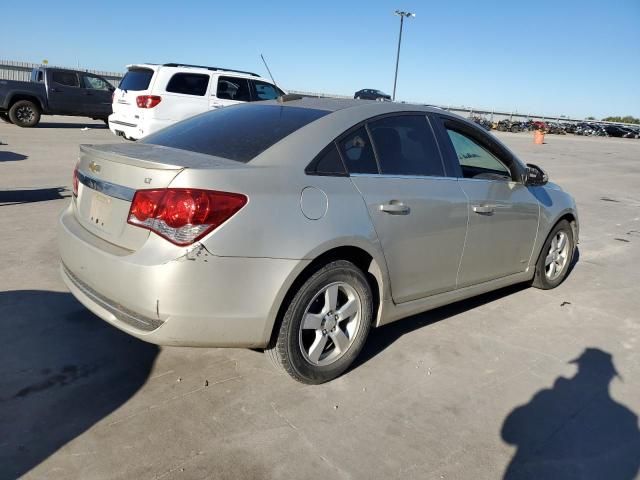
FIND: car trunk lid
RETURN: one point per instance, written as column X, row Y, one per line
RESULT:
column 109, row 176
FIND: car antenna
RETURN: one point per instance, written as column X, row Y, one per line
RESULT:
column 284, row 97
column 268, row 70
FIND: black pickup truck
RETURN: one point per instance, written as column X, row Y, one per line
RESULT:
column 54, row 91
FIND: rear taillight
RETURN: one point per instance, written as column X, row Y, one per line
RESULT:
column 183, row 215
column 75, row 181
column 147, row 101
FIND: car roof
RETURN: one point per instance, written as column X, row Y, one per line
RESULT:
column 198, row 69
column 336, row 104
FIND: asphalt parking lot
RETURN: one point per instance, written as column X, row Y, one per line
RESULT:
column 435, row 396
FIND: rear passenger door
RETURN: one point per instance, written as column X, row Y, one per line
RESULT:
column 64, row 94
column 503, row 213
column 230, row 91
column 186, row 96
column 418, row 210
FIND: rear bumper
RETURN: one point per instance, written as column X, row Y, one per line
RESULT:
column 171, row 296
column 138, row 129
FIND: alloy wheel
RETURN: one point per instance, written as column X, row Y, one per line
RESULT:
column 558, row 256
column 330, row 324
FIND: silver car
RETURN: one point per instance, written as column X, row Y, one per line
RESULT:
column 297, row 225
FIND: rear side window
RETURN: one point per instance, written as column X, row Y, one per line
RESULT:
column 238, row 133
column 232, row 88
column 189, row 84
column 68, row 79
column 136, row 79
column 328, row 162
column 406, row 146
column 357, row 152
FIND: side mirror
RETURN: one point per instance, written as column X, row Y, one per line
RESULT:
column 535, row 175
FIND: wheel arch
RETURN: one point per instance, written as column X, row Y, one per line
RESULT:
column 370, row 262
column 568, row 215
column 17, row 96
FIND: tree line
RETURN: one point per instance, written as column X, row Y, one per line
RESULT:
column 627, row 119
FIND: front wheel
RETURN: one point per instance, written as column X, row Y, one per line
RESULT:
column 556, row 256
column 24, row 113
column 325, row 324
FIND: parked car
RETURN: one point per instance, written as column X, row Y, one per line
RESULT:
column 151, row 97
column 55, row 91
column 296, row 226
column 371, row 94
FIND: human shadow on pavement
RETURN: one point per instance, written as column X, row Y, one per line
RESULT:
column 11, row 156
column 64, row 370
column 32, row 195
column 575, row 430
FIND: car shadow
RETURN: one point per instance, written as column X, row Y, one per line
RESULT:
column 63, row 371
column 11, row 156
column 17, row 197
column 381, row 338
column 575, row 429
column 91, row 126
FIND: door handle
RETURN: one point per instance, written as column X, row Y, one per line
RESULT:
column 54, row 90
column 484, row 209
column 395, row 207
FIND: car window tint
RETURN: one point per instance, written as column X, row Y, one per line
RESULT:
column 94, row 83
column 357, row 152
column 405, row 146
column 238, row 133
column 136, row 79
column 233, row 88
column 264, row 91
column 68, row 79
column 475, row 160
column 328, row 162
column 189, row 84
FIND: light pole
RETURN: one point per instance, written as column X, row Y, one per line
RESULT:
column 401, row 14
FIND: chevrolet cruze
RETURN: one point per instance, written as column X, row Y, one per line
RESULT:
column 296, row 226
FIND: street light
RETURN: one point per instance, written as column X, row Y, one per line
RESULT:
column 402, row 15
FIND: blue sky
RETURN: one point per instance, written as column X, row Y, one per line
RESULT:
column 549, row 57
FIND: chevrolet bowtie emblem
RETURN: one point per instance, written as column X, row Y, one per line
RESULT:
column 94, row 167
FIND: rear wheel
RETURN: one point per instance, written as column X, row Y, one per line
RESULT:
column 4, row 117
column 555, row 259
column 325, row 325
column 24, row 113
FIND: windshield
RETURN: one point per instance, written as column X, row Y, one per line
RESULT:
column 238, row 133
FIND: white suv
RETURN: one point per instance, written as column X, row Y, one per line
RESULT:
column 151, row 97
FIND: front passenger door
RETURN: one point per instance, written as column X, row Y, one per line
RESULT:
column 98, row 96
column 503, row 214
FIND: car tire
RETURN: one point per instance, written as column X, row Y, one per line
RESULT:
column 4, row 117
column 325, row 324
column 555, row 258
column 358, row 97
column 25, row 114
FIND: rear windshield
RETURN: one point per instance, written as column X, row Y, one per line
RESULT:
column 136, row 79
column 238, row 133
